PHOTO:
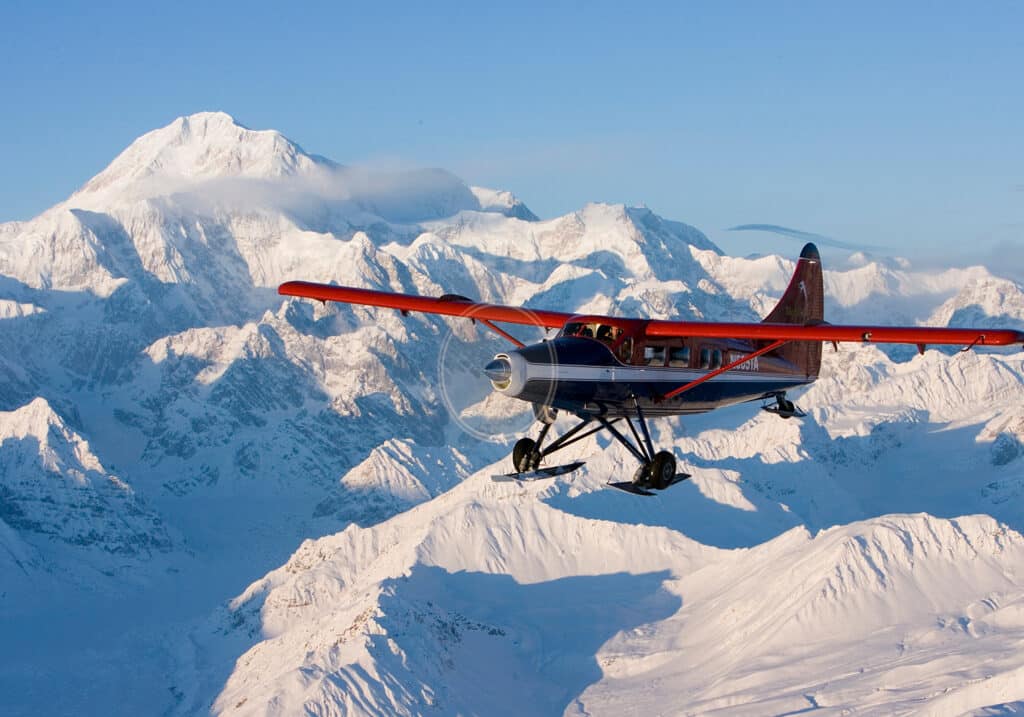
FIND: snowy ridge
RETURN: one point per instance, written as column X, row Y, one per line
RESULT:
column 57, row 495
column 986, row 302
column 494, row 200
column 799, row 552
column 478, row 527
column 421, row 611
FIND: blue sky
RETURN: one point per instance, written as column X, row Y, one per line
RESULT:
column 868, row 123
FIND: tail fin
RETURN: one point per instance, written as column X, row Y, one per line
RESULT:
column 803, row 303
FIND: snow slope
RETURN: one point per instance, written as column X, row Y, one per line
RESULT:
column 172, row 430
column 58, row 499
column 784, row 576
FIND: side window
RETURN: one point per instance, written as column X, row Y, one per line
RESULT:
column 654, row 355
column 679, row 357
column 705, row 357
column 626, row 351
column 716, row 359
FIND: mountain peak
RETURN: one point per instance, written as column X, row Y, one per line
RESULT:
column 56, row 444
column 205, row 145
column 34, row 419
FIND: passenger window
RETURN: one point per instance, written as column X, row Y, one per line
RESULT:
column 705, row 358
column 679, row 356
column 604, row 333
column 716, row 359
column 626, row 350
column 654, row 355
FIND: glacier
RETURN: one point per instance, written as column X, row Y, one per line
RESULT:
column 215, row 500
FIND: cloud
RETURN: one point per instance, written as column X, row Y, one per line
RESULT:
column 401, row 196
column 803, row 236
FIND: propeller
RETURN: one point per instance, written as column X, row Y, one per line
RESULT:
column 469, row 369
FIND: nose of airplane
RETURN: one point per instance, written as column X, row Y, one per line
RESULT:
column 499, row 371
column 508, row 373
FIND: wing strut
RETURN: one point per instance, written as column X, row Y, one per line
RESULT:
column 708, row 376
column 979, row 340
column 501, row 333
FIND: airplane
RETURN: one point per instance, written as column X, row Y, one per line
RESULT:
column 612, row 372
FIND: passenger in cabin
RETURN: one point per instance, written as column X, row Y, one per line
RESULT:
column 604, row 333
column 626, row 351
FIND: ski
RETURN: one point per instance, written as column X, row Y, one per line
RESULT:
column 630, row 487
column 538, row 474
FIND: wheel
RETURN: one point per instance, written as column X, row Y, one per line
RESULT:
column 663, row 469
column 524, row 456
column 786, row 408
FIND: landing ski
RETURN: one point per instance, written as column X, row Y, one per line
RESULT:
column 630, row 487
column 538, row 474
column 677, row 478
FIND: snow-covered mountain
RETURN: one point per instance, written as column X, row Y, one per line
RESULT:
column 61, row 508
column 171, row 431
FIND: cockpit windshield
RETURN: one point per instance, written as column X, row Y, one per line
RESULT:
column 605, row 333
column 617, row 337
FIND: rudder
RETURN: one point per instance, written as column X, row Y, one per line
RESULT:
column 803, row 303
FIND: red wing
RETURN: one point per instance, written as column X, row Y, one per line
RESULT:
column 457, row 306
column 921, row 335
column 449, row 306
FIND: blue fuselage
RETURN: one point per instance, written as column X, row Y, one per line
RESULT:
column 584, row 377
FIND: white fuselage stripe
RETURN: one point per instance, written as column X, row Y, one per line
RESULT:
column 569, row 372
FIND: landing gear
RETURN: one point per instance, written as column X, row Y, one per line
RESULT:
column 663, row 470
column 525, row 456
column 658, row 473
column 527, row 453
column 784, row 408
column 657, row 469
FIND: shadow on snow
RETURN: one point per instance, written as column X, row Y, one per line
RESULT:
column 483, row 643
column 897, row 468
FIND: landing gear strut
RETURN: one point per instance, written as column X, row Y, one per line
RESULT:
column 657, row 469
column 527, row 453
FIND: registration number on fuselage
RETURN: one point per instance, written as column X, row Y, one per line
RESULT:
column 748, row 365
